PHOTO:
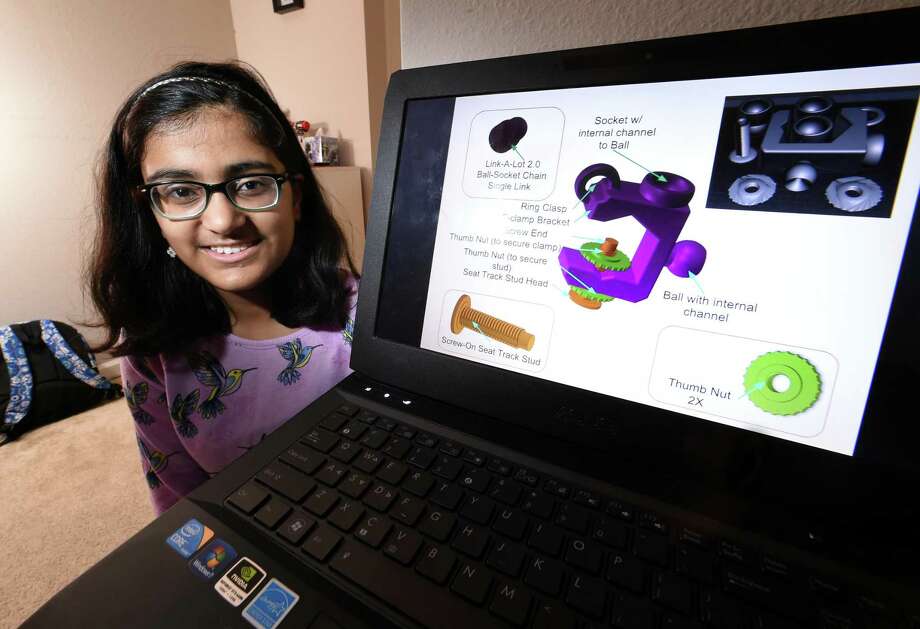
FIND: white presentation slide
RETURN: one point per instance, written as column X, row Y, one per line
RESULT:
column 727, row 249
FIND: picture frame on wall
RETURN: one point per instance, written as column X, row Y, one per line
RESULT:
column 284, row 6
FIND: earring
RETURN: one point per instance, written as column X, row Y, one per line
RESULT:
column 171, row 252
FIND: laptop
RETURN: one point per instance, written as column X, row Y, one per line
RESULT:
column 635, row 347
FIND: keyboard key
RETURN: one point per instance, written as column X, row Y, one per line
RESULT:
column 296, row 527
column 320, row 439
column 693, row 538
column 272, row 512
column 304, row 459
column 321, row 501
column 506, row 491
column 630, row 612
column 286, row 481
column 380, row 497
column 248, row 498
column 652, row 547
column 472, row 583
column 331, row 474
column 587, row 499
column 346, row 514
column 626, row 571
column 545, row 575
column 652, row 522
column 447, row 467
column 673, row 591
column 403, row 545
column 405, row 432
column 555, row 488
column 353, row 430
column 367, row 417
column 375, row 438
column 475, row 457
column 368, row 461
column 621, row 510
column 734, row 552
column 397, row 447
column 426, row 440
column 696, row 564
column 438, row 524
column 475, row 479
column 450, row 448
column 478, row 509
column 587, row 596
column 763, row 590
column 392, row 472
column 347, row 409
column 546, row 538
column 372, row 530
column 573, row 517
column 584, row 554
column 419, row 483
column 511, row 602
column 408, row 510
column 345, row 451
column 334, row 421
column 507, row 558
column 526, row 476
column 436, row 563
column 610, row 533
column 552, row 615
column 447, row 495
column 499, row 467
column 386, row 424
column 355, row 485
column 471, row 540
column 720, row 612
column 539, row 504
column 321, row 542
column 418, row 598
column 510, row 523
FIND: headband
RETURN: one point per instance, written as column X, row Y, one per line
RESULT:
column 202, row 79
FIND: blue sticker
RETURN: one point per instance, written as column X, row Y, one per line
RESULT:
column 190, row 538
column 213, row 559
column 270, row 607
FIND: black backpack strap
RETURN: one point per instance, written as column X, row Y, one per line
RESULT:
column 17, row 364
column 70, row 360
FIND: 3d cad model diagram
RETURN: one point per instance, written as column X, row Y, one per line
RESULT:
column 599, row 272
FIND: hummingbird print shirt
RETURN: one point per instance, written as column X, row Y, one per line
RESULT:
column 195, row 413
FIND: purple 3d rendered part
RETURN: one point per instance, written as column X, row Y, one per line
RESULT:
column 659, row 206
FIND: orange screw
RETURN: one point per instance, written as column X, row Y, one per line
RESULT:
column 464, row 316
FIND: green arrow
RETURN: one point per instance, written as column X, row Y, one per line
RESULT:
column 582, row 199
column 660, row 178
column 514, row 148
column 696, row 281
column 595, row 250
column 477, row 328
column 757, row 387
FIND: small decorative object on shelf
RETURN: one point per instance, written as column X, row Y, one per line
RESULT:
column 283, row 6
column 322, row 150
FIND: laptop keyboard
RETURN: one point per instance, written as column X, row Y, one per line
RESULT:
column 452, row 536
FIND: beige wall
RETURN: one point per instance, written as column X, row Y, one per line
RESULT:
column 446, row 31
column 66, row 66
column 325, row 64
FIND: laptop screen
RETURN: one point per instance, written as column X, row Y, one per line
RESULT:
column 727, row 248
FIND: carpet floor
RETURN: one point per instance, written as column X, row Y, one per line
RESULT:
column 70, row 493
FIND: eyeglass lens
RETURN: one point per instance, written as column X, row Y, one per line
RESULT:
column 179, row 199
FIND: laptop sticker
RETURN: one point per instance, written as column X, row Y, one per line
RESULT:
column 240, row 581
column 213, row 559
column 190, row 538
column 269, row 608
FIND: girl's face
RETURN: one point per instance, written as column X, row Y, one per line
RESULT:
column 215, row 147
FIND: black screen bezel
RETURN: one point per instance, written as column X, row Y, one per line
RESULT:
column 669, row 442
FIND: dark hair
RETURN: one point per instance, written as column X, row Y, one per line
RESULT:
column 151, row 303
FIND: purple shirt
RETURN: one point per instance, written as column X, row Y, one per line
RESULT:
column 196, row 413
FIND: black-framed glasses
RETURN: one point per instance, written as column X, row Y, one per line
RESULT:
column 185, row 200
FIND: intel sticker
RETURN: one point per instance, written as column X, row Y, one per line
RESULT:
column 270, row 607
column 214, row 558
column 190, row 538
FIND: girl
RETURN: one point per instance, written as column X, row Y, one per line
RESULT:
column 218, row 270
